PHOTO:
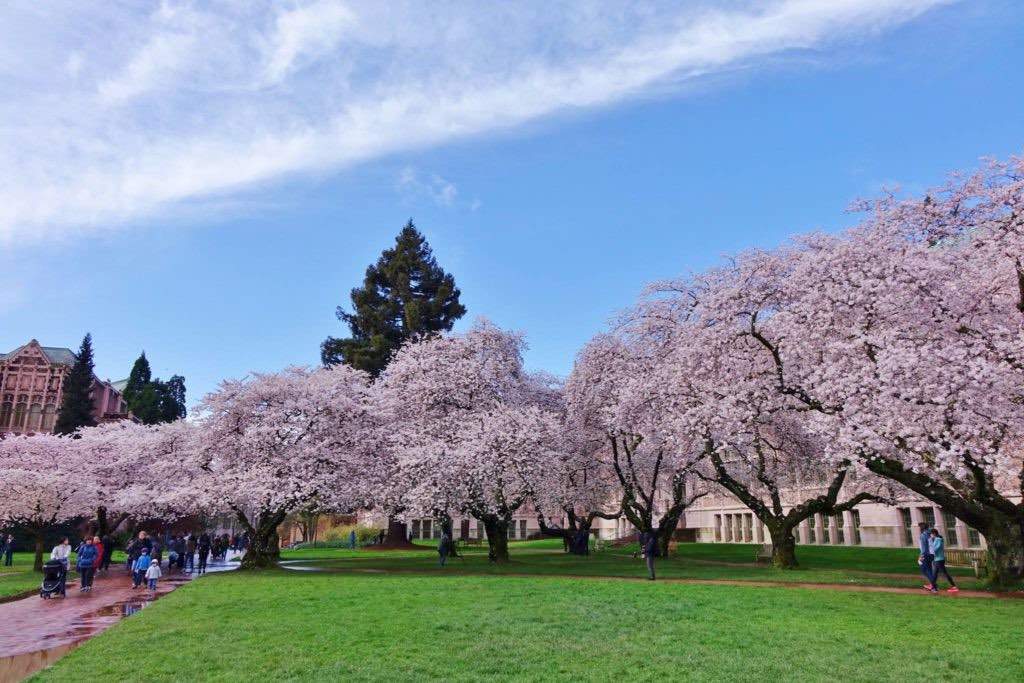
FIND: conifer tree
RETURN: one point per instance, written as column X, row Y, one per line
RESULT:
column 406, row 294
column 76, row 405
column 140, row 376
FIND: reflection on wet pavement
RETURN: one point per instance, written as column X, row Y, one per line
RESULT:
column 36, row 633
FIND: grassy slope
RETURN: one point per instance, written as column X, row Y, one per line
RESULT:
column 819, row 564
column 299, row 626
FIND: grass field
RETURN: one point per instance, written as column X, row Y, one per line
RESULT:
column 19, row 577
column 284, row 626
column 819, row 564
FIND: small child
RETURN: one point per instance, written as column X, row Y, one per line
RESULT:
column 152, row 574
column 140, row 568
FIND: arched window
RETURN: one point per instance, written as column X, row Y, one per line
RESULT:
column 49, row 417
column 19, row 418
column 35, row 416
column 5, row 415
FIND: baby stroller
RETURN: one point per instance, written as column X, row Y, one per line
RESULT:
column 54, row 580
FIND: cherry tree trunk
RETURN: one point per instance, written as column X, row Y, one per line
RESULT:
column 497, row 539
column 397, row 535
column 102, row 526
column 665, row 532
column 37, row 563
column 783, row 547
column 1005, row 541
column 264, row 545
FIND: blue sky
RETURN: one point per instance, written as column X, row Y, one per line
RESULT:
column 156, row 221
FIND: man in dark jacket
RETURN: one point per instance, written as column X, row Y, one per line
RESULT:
column 649, row 543
column 108, row 551
column 8, row 550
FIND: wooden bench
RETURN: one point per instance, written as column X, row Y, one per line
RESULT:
column 763, row 555
column 975, row 559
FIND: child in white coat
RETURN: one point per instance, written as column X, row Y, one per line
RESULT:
column 152, row 574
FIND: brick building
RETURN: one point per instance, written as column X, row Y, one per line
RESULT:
column 31, row 390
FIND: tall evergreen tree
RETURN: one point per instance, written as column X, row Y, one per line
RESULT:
column 174, row 399
column 76, row 405
column 139, row 377
column 404, row 295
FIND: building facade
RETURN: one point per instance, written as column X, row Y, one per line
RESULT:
column 31, row 390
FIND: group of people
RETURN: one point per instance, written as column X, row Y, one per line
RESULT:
column 186, row 552
column 933, row 559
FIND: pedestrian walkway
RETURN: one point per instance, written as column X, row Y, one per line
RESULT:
column 37, row 632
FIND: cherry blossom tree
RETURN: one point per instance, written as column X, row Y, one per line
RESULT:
column 713, row 390
column 468, row 429
column 271, row 443
column 43, row 485
column 136, row 470
column 905, row 336
column 611, row 392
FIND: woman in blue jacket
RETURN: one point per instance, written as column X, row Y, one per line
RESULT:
column 938, row 548
column 87, row 564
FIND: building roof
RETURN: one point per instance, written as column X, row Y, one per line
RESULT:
column 119, row 385
column 54, row 354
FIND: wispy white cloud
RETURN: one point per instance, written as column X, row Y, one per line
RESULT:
column 416, row 185
column 112, row 111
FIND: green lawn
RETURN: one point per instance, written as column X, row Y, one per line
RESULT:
column 19, row 577
column 819, row 564
column 289, row 626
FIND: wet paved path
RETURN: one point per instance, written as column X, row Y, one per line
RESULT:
column 35, row 632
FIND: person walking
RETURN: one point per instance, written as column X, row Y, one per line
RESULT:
column 152, row 574
column 444, row 548
column 8, row 548
column 203, row 549
column 352, row 539
column 61, row 552
column 937, row 545
column 650, row 548
column 140, row 568
column 108, row 552
column 100, row 550
column 190, row 554
column 924, row 544
column 86, row 564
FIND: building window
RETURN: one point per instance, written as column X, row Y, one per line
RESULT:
column 19, row 418
column 728, row 528
column 812, row 534
column 855, row 514
column 826, row 529
column 952, row 539
column 973, row 537
column 522, row 529
column 718, row 518
column 929, row 516
column 840, row 530
column 35, row 418
column 49, row 417
column 426, row 528
column 748, row 527
column 5, row 415
column 480, row 530
column 415, row 528
column 908, row 526
column 759, row 531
